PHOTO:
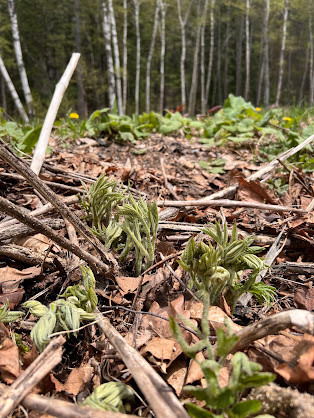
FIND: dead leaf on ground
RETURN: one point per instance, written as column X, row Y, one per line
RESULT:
column 9, row 361
column 254, row 191
column 176, row 374
column 165, row 350
column 304, row 298
column 39, row 242
column 78, row 378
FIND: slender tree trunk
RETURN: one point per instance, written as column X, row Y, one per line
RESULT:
column 79, row 71
column 282, row 52
column 12, row 90
column 19, row 59
column 150, row 55
column 125, row 54
column 226, row 63
column 301, row 93
column 138, row 55
column 260, row 83
column 163, row 11
column 219, row 86
column 3, row 93
column 289, row 78
column 193, row 89
column 116, row 57
column 311, row 96
column 203, row 98
column 247, row 51
column 183, row 50
column 266, row 56
column 239, row 57
column 211, row 51
column 110, row 68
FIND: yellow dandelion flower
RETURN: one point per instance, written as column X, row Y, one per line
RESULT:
column 74, row 116
column 287, row 119
column 258, row 109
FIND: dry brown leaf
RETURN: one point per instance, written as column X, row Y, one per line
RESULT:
column 78, row 378
column 9, row 361
column 10, row 278
column 304, row 298
column 129, row 284
column 176, row 374
column 195, row 373
column 39, row 242
column 14, row 298
column 254, row 191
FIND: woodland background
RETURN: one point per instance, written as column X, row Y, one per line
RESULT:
column 259, row 49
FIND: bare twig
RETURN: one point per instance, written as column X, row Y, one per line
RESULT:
column 25, row 383
column 169, row 188
column 160, row 396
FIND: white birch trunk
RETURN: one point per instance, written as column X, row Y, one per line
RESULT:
column 110, row 68
column 247, row 51
column 163, row 11
column 138, row 55
column 19, row 59
column 203, row 98
column 282, row 52
column 192, row 96
column 40, row 150
column 150, row 55
column 211, row 51
column 116, row 57
column 13, row 92
column 125, row 54
column 183, row 50
column 266, row 57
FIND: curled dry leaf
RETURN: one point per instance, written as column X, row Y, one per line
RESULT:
column 9, row 361
column 78, row 378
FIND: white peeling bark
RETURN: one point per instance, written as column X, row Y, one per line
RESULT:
column 282, row 52
column 150, row 54
column 13, row 92
column 110, row 68
column 19, row 59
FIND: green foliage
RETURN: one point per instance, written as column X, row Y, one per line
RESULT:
column 109, row 397
column 221, row 401
column 7, row 316
column 131, row 226
column 217, row 269
column 77, row 304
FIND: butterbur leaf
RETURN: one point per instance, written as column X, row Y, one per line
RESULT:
column 244, row 409
column 198, row 412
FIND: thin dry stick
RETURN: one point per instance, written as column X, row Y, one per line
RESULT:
column 298, row 318
column 229, row 204
column 26, row 382
column 63, row 409
column 172, row 192
column 19, row 165
column 11, row 209
column 161, row 398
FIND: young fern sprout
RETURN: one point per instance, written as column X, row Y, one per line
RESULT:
column 217, row 268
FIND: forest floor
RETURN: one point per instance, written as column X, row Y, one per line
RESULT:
column 161, row 168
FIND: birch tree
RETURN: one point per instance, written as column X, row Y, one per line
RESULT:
column 138, row 54
column 282, row 52
column 163, row 10
column 13, row 92
column 183, row 49
column 203, row 23
column 247, row 50
column 150, row 54
column 116, row 55
column 125, row 54
column 19, row 59
column 110, row 68
column 192, row 96
column 211, row 51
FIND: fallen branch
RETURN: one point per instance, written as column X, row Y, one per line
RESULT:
column 27, row 256
column 229, row 204
column 62, row 409
column 34, row 373
column 300, row 319
column 160, row 396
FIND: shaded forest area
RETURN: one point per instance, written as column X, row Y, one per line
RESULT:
column 152, row 55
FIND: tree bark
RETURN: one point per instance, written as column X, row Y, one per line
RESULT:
column 282, row 52
column 218, row 75
column 79, row 75
column 311, row 96
column 13, row 92
column 226, row 63
column 211, row 51
column 239, row 57
column 116, row 57
column 203, row 98
column 19, row 59
column 183, row 50
column 193, row 89
column 266, row 57
column 247, row 51
column 125, row 54
column 138, row 55
column 304, row 74
column 3, row 93
column 150, row 55
column 110, row 68
column 163, row 10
